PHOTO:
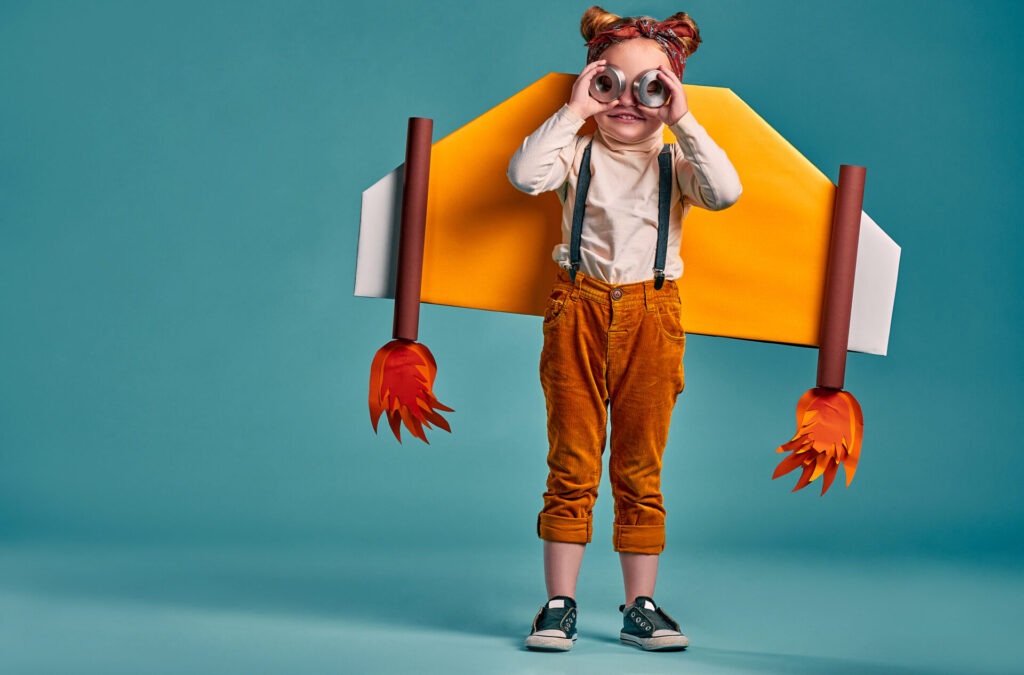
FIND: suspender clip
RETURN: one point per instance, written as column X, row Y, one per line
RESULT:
column 659, row 278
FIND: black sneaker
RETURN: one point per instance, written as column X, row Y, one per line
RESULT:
column 646, row 625
column 554, row 627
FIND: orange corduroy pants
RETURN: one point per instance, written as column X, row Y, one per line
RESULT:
column 619, row 347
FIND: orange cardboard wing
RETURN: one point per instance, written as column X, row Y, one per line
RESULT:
column 754, row 271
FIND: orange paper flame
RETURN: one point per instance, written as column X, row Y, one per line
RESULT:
column 401, row 378
column 830, row 426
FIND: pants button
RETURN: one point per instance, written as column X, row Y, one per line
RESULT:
column 616, row 293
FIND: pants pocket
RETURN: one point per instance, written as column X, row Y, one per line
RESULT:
column 557, row 305
column 670, row 320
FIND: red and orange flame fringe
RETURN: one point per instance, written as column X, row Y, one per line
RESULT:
column 401, row 380
column 830, row 427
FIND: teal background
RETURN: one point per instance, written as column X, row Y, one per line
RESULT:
column 188, row 477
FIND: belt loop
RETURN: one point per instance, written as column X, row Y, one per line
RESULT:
column 576, row 284
column 648, row 296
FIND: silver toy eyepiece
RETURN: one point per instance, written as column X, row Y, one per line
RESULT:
column 608, row 85
column 650, row 91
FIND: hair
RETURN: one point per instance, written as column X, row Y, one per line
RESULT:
column 596, row 20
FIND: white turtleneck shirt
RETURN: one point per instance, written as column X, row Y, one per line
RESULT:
column 620, row 224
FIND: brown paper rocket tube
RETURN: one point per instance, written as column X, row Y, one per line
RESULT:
column 403, row 371
column 414, row 220
column 842, row 267
column 830, row 424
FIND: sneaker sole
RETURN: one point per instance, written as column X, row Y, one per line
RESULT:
column 547, row 643
column 665, row 643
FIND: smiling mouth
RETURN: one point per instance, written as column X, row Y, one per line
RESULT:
column 628, row 117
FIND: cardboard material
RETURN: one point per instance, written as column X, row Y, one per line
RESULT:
column 753, row 271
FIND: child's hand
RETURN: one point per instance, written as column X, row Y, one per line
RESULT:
column 581, row 102
column 671, row 112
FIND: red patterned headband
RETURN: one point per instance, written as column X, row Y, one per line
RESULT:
column 665, row 33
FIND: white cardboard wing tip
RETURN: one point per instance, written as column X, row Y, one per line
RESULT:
column 376, row 258
column 874, row 289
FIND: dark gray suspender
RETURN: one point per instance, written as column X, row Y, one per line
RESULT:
column 582, row 186
column 664, row 208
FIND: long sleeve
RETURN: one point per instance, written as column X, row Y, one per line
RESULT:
column 545, row 158
column 705, row 175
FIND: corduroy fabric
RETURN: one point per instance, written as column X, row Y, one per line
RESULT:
column 607, row 344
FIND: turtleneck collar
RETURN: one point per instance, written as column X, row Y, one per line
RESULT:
column 644, row 145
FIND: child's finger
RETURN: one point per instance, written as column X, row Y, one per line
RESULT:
column 669, row 78
column 589, row 73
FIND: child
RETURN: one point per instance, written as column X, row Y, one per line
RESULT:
column 613, row 331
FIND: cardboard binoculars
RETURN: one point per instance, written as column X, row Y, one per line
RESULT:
column 648, row 90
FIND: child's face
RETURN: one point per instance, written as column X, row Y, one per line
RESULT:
column 633, row 57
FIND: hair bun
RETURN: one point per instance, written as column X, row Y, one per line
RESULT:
column 595, row 20
column 690, row 44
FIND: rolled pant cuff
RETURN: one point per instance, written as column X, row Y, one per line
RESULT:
column 639, row 538
column 562, row 528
